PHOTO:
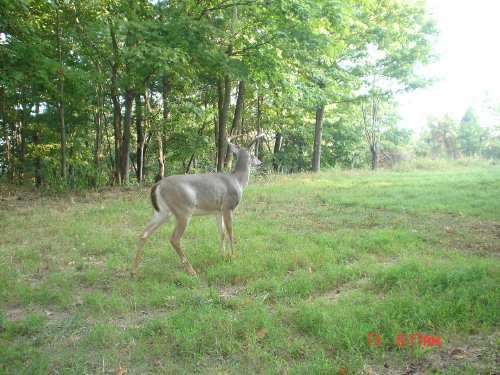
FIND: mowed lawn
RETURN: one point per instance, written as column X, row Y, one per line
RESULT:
column 323, row 264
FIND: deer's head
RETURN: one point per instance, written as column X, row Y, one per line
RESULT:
column 246, row 154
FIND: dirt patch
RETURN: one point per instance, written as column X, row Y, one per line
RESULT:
column 20, row 313
column 332, row 295
column 388, row 261
column 15, row 314
column 230, row 291
column 137, row 318
column 480, row 237
column 342, row 290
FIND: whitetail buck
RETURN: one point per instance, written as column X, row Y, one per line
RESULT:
column 184, row 196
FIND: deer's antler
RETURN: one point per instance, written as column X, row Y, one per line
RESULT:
column 259, row 135
column 233, row 137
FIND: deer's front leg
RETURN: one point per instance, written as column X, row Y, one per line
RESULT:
column 222, row 233
column 175, row 240
column 228, row 222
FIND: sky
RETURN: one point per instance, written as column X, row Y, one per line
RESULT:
column 468, row 68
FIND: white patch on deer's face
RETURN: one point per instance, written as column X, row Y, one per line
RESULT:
column 234, row 148
column 248, row 157
column 255, row 162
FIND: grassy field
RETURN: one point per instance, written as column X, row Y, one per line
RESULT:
column 321, row 262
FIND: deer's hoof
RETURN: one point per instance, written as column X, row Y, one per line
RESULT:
column 191, row 272
column 189, row 269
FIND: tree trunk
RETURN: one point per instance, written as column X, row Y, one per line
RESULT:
column 145, row 138
column 260, row 101
column 117, row 111
column 22, row 151
column 224, row 95
column 63, row 135
column 375, row 151
column 98, row 119
column 192, row 159
column 216, row 133
column 277, row 148
column 71, row 167
column 98, row 140
column 109, row 150
column 117, row 127
column 38, row 164
column 159, row 134
column 140, row 138
column 161, row 163
column 127, row 122
column 22, row 139
column 318, row 134
column 36, row 141
column 235, row 127
column 6, row 167
column 14, row 152
column 61, row 96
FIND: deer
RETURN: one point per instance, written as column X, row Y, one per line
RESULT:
column 184, row 196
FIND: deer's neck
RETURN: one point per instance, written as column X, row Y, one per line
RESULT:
column 241, row 171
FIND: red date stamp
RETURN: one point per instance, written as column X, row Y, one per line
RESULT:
column 412, row 339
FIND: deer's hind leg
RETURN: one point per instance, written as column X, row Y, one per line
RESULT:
column 175, row 240
column 157, row 220
column 222, row 233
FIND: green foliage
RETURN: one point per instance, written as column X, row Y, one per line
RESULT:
column 291, row 54
column 446, row 137
column 345, row 145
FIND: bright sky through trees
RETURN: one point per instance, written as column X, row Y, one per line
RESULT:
column 468, row 67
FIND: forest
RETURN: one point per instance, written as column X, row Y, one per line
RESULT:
column 106, row 92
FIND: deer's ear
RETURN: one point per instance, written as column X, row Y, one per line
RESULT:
column 255, row 161
column 234, row 148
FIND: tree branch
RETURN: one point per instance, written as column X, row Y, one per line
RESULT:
column 228, row 4
column 148, row 76
column 89, row 40
column 262, row 41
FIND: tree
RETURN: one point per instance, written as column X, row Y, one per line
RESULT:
column 441, row 136
column 469, row 135
column 445, row 136
column 379, row 120
column 398, row 37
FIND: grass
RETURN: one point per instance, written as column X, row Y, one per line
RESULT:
column 321, row 262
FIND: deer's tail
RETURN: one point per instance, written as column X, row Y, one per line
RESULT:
column 154, row 197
